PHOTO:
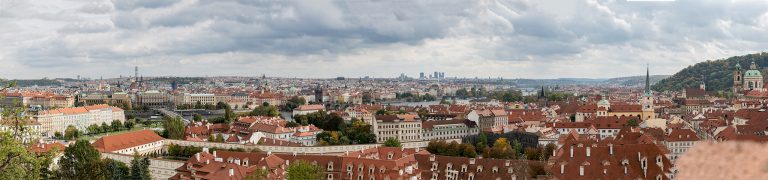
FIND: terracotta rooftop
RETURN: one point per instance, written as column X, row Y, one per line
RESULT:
column 126, row 140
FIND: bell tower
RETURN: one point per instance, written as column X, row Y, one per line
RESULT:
column 647, row 100
column 737, row 79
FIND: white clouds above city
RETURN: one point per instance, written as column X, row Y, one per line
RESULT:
column 321, row 38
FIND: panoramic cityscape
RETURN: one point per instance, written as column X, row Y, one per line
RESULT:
column 383, row 90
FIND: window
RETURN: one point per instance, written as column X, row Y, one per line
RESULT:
column 330, row 166
column 479, row 168
column 330, row 176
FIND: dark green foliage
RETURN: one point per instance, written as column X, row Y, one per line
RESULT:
column 718, row 74
column 116, row 170
column 81, row 161
column 174, row 128
column 393, row 142
column 117, row 125
column 295, row 102
column 451, row 149
column 265, row 111
column 140, row 168
column 302, row 170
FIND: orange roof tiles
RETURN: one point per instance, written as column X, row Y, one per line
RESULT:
column 126, row 140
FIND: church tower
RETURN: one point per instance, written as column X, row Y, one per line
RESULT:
column 647, row 100
column 753, row 79
column 737, row 79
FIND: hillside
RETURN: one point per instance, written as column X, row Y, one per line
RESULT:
column 634, row 80
column 718, row 74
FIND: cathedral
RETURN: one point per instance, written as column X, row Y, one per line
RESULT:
column 748, row 80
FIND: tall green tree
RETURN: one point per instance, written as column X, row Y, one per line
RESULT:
column 81, row 161
column 482, row 142
column 93, row 129
column 140, row 168
column 116, row 170
column 174, row 128
column 302, row 170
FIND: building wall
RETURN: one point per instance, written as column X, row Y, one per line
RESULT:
column 159, row 168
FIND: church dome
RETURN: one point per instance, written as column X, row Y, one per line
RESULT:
column 752, row 73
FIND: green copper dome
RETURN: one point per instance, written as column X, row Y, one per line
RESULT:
column 752, row 73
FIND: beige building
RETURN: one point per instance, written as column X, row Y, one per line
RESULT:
column 44, row 99
column 105, row 98
column 153, row 99
column 405, row 127
column 57, row 120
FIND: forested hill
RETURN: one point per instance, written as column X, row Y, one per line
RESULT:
column 718, row 74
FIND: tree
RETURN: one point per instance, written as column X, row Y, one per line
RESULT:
column 360, row 132
column 105, row 127
column 468, row 151
column 482, row 142
column 632, row 123
column 291, row 124
column 81, row 161
column 94, row 129
column 548, row 150
column 116, row 170
column 58, row 135
column 129, row 124
column 197, row 117
column 267, row 110
column 140, row 168
column 15, row 161
column 174, row 128
column 71, row 133
column 117, row 125
column 502, row 149
column 301, row 170
column 392, row 142
column 219, row 138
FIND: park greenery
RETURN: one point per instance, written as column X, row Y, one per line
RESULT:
column 302, row 170
column 392, row 142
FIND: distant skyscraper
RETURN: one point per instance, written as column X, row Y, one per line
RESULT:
column 421, row 75
column 136, row 73
column 437, row 75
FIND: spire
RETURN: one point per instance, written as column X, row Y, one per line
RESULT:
column 647, row 80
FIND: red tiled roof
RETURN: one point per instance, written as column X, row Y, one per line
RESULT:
column 126, row 140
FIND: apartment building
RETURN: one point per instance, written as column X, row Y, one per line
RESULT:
column 404, row 127
column 57, row 120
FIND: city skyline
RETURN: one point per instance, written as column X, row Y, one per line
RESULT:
column 326, row 39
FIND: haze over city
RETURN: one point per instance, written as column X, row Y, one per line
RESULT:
column 510, row 39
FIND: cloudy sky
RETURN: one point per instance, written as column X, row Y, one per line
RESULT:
column 379, row 38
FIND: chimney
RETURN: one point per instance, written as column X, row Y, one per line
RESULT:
column 231, row 172
column 197, row 156
column 214, row 154
column 589, row 151
column 571, row 151
column 237, row 161
column 581, row 170
column 205, row 149
column 610, row 148
column 562, row 168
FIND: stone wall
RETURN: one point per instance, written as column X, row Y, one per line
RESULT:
column 299, row 150
column 160, row 168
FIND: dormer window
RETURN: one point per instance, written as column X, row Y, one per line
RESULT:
column 495, row 169
column 510, row 170
column 349, row 167
column 479, row 168
column 330, row 166
column 434, row 166
column 463, row 168
column 471, row 176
